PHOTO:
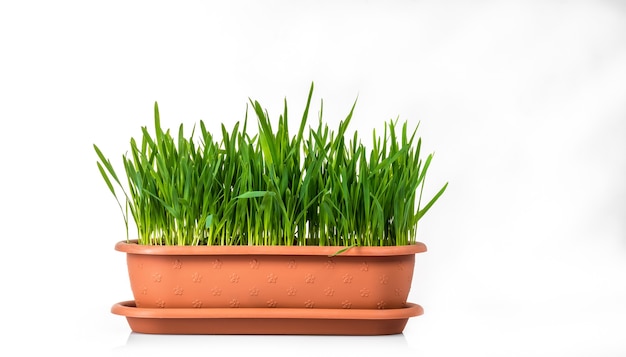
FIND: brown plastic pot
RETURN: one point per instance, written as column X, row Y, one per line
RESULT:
column 297, row 277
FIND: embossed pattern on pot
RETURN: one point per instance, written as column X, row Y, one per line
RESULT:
column 243, row 281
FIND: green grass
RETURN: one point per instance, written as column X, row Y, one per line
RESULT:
column 273, row 188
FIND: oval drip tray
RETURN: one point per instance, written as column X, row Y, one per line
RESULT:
column 266, row 321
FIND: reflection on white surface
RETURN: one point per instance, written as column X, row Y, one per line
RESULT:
column 276, row 345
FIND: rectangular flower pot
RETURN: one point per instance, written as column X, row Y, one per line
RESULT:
column 296, row 277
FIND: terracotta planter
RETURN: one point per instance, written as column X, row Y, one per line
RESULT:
column 225, row 289
column 270, row 276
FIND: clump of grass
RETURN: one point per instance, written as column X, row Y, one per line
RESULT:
column 273, row 188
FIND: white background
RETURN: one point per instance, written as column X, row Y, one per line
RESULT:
column 523, row 103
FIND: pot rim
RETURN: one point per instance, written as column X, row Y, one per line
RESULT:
column 132, row 247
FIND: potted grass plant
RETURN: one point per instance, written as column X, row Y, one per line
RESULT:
column 264, row 231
